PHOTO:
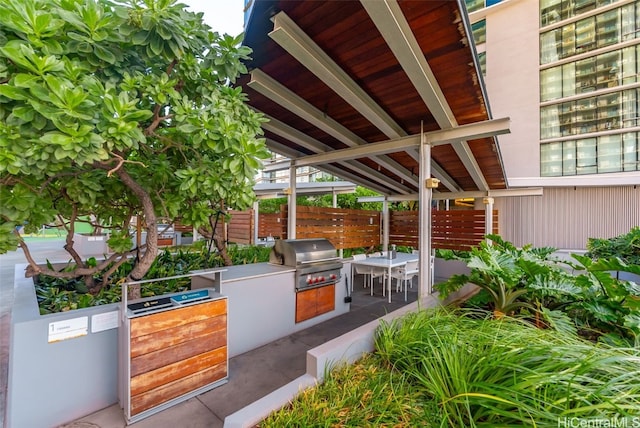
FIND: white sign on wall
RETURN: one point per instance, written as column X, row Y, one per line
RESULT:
column 105, row 321
column 68, row 329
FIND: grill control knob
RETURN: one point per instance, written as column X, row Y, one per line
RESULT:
column 309, row 280
column 321, row 279
column 333, row 276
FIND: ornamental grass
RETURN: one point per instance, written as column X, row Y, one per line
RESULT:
column 466, row 369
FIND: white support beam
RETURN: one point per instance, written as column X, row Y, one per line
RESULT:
column 283, row 96
column 396, row 31
column 488, row 215
column 437, row 171
column 392, row 24
column 282, row 149
column 465, row 154
column 278, row 93
column 372, row 149
column 471, row 131
column 498, row 193
column 385, row 225
column 292, row 202
column 294, row 40
column 434, row 138
column 338, row 172
column 447, row 181
column 304, row 140
column 281, row 165
column 441, row 196
column 256, row 220
column 424, row 229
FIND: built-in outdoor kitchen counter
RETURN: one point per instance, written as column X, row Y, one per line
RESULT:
column 262, row 299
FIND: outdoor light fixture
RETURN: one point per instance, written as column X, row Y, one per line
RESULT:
column 432, row 183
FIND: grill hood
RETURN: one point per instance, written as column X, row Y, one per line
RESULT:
column 296, row 252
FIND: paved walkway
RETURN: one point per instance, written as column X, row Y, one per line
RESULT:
column 251, row 375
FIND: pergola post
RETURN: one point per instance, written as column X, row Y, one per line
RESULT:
column 256, row 218
column 385, row 225
column 291, row 223
column 334, row 197
column 426, row 184
column 488, row 216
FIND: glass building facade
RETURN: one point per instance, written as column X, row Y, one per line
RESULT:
column 589, row 87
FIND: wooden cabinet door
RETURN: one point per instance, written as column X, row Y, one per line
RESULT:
column 314, row 302
column 305, row 305
column 326, row 299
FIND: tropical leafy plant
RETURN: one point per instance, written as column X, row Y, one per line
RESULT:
column 502, row 271
column 581, row 292
column 601, row 306
column 625, row 246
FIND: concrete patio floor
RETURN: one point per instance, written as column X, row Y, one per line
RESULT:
column 252, row 375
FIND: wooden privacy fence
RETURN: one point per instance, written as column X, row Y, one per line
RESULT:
column 240, row 228
column 453, row 230
column 273, row 225
column 344, row 228
column 459, row 229
column 347, row 228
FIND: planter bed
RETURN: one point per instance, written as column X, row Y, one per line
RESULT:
column 63, row 376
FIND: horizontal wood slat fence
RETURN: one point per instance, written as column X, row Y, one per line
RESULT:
column 240, row 228
column 347, row 228
column 344, row 228
column 272, row 225
column 453, row 230
column 459, row 229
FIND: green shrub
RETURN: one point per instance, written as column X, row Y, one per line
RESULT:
column 625, row 246
column 59, row 295
column 366, row 394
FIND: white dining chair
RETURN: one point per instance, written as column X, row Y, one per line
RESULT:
column 362, row 270
column 404, row 275
column 380, row 274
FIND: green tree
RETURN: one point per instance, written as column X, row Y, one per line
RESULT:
column 112, row 109
column 345, row 200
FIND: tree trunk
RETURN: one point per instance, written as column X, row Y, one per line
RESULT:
column 151, row 249
column 222, row 250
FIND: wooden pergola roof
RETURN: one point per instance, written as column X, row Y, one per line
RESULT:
column 336, row 75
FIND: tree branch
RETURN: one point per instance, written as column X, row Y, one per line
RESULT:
column 157, row 119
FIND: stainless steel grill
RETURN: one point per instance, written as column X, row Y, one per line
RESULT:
column 315, row 261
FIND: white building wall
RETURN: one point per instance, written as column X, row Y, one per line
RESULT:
column 572, row 209
column 566, row 217
column 513, row 87
column 512, row 81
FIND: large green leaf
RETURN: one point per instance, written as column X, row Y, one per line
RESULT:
column 12, row 92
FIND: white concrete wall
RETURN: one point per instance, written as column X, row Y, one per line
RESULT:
column 54, row 383
column 262, row 308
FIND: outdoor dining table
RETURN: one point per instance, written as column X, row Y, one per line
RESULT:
column 400, row 260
